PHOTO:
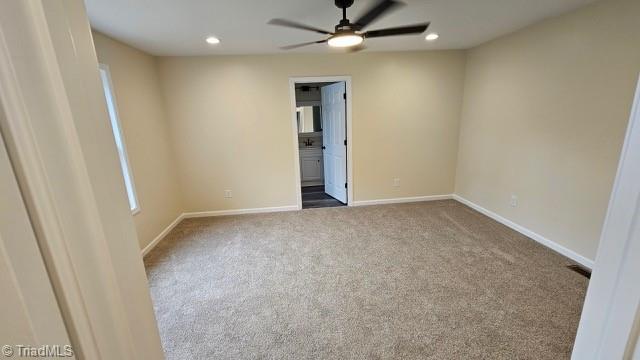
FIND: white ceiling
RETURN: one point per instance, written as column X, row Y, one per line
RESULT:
column 179, row 27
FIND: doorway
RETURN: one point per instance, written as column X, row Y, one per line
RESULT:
column 321, row 127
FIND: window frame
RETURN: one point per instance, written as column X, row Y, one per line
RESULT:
column 116, row 128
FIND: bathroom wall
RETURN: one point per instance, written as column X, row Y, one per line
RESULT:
column 316, row 139
column 308, row 96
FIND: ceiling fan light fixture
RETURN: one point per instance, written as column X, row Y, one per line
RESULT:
column 212, row 40
column 345, row 40
column 350, row 34
column 432, row 37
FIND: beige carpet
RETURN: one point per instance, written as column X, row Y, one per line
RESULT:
column 432, row 280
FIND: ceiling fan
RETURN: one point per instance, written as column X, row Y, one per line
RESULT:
column 351, row 35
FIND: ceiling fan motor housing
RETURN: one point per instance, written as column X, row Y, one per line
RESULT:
column 350, row 35
column 345, row 26
column 342, row 4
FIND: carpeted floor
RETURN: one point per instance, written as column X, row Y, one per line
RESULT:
column 433, row 280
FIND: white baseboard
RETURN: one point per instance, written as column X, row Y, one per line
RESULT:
column 161, row 236
column 240, row 211
column 528, row 233
column 401, row 200
column 521, row 229
column 187, row 215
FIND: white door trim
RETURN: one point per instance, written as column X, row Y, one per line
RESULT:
column 41, row 42
column 294, row 131
column 30, row 312
column 17, row 129
column 609, row 324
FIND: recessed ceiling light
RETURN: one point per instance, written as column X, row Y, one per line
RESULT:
column 432, row 37
column 213, row 40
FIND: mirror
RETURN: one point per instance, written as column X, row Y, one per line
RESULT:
column 309, row 119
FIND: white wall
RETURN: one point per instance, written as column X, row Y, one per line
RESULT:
column 545, row 111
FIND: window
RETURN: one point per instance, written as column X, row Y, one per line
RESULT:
column 117, row 134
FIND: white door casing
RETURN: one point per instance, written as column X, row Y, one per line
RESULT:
column 609, row 324
column 295, row 135
column 30, row 313
column 57, row 134
column 334, row 137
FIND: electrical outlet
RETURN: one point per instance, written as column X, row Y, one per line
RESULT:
column 228, row 194
column 514, row 201
column 396, row 182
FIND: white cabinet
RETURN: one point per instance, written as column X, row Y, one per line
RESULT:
column 311, row 166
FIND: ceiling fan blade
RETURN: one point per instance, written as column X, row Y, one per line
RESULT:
column 295, row 25
column 403, row 30
column 295, row 46
column 375, row 12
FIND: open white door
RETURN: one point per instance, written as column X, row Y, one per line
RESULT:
column 55, row 126
column 30, row 312
column 334, row 140
column 609, row 327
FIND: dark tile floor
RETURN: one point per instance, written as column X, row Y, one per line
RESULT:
column 315, row 197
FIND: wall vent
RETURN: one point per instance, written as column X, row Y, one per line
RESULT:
column 580, row 270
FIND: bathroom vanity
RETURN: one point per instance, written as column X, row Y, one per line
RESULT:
column 311, row 166
column 310, row 144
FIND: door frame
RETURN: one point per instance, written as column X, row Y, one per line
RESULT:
column 610, row 320
column 294, row 131
column 67, row 172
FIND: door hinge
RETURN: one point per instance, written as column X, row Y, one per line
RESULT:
column 345, row 185
column 345, row 142
column 344, row 96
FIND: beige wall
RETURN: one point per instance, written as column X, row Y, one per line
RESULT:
column 545, row 111
column 543, row 118
column 141, row 110
column 231, row 124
